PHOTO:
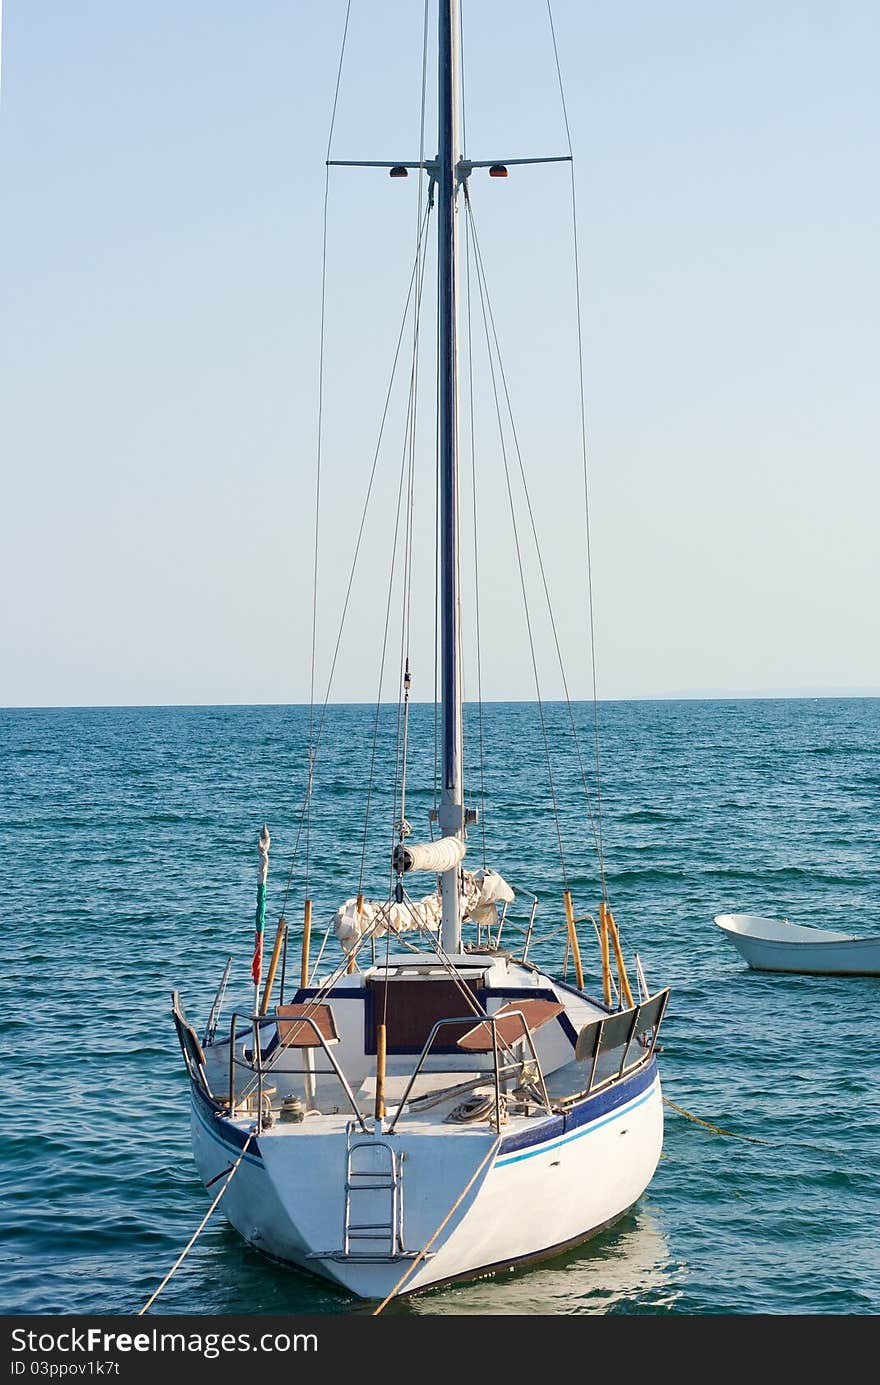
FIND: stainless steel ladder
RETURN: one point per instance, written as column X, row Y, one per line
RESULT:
column 374, row 1172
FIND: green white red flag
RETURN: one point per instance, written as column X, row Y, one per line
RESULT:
column 257, row 963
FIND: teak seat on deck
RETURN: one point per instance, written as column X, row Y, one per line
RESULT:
column 510, row 1027
column 293, row 1033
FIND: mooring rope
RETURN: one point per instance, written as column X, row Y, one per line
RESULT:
column 829, row 1150
column 427, row 1246
column 200, row 1228
column 716, row 1129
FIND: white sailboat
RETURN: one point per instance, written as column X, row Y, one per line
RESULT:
column 439, row 1107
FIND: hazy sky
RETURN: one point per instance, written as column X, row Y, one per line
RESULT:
column 161, row 188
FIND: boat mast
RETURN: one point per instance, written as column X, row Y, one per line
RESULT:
column 451, row 811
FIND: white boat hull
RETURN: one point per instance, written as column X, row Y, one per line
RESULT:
column 776, row 945
column 544, row 1188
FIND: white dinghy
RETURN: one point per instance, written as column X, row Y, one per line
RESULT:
column 434, row 1105
column 777, row 945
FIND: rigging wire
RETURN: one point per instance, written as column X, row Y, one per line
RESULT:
column 375, row 737
column 476, row 543
column 320, row 438
column 408, row 469
column 354, row 562
column 483, row 291
column 387, row 626
column 406, row 603
column 539, row 554
column 583, row 417
column 399, row 824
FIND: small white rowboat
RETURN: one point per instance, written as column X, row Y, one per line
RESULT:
column 777, row 945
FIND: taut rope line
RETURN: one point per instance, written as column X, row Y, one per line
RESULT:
column 198, row 1231
column 716, row 1129
column 427, row 1246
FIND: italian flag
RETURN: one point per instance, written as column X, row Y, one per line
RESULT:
column 257, row 963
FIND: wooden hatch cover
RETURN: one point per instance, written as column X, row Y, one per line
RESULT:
column 293, row 1033
column 510, row 1026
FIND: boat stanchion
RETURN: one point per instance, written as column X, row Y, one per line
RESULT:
column 310, row 1086
column 573, row 940
column 606, row 957
column 273, row 964
column 380, row 1071
column 623, row 979
column 307, row 938
column 360, row 908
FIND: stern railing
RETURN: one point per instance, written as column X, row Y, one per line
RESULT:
column 254, row 1064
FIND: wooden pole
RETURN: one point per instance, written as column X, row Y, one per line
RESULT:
column 310, row 1086
column 606, row 959
column 625, row 991
column 273, row 965
column 380, row 1071
column 351, row 961
column 573, row 939
column 307, row 936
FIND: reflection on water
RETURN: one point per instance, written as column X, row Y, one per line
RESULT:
column 627, row 1269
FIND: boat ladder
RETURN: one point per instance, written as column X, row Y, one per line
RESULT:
column 373, row 1220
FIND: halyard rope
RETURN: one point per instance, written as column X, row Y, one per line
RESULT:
column 583, row 412
column 483, row 290
column 198, row 1231
column 320, row 439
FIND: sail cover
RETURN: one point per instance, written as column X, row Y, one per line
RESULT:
column 389, row 916
column 482, row 892
column 444, row 854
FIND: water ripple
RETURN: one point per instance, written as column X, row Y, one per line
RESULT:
column 128, row 842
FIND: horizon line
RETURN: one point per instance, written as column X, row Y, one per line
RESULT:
column 802, row 695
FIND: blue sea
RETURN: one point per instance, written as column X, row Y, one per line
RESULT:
column 129, row 869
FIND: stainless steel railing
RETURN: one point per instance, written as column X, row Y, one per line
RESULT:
column 495, row 1072
column 255, row 1064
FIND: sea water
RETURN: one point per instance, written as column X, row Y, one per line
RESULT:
column 129, row 868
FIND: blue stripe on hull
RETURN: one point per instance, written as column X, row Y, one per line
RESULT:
column 589, row 1115
column 583, row 1117
column 575, row 1134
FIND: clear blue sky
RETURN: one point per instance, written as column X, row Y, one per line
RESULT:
column 161, row 184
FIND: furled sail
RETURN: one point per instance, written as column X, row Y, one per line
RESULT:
column 438, row 856
column 482, row 892
column 349, row 922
